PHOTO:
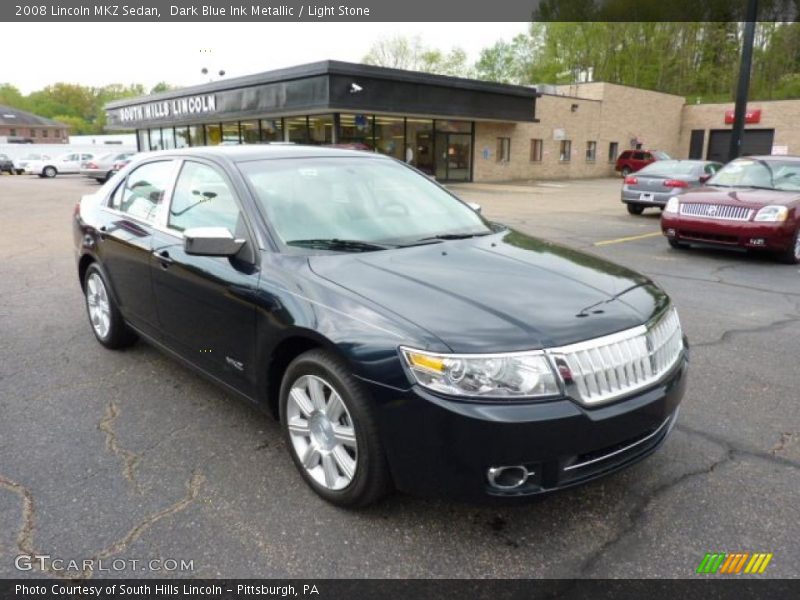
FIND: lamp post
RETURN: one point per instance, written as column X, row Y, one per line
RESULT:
column 737, row 133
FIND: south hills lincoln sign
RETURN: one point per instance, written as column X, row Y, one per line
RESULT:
column 169, row 109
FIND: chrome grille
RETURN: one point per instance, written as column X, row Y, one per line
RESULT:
column 612, row 366
column 722, row 212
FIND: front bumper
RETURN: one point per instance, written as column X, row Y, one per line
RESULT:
column 441, row 447
column 740, row 234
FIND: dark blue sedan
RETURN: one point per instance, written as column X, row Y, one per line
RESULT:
column 402, row 339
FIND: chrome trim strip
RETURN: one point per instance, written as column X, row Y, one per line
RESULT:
column 669, row 419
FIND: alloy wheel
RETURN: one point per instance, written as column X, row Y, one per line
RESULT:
column 322, row 432
column 97, row 302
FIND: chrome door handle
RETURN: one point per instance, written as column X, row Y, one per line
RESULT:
column 163, row 257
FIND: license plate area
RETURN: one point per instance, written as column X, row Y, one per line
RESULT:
column 646, row 197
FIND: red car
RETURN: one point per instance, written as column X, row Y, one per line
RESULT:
column 631, row 161
column 751, row 203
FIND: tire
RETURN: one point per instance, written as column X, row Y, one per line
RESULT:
column 348, row 470
column 108, row 176
column 677, row 245
column 20, row 171
column 791, row 256
column 107, row 323
column 635, row 209
column 49, row 172
column 626, row 171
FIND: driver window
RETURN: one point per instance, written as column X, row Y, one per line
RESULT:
column 202, row 198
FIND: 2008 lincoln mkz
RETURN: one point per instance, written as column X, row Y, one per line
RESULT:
column 403, row 340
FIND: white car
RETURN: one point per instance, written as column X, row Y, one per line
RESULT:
column 20, row 164
column 64, row 164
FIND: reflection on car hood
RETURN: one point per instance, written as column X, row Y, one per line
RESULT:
column 748, row 196
column 502, row 292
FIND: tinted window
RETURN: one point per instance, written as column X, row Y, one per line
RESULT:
column 143, row 190
column 202, row 198
column 638, row 155
column 670, row 168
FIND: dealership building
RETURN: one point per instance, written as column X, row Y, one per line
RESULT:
column 453, row 128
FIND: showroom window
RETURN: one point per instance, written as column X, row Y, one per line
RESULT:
column 213, row 135
column 536, row 150
column 250, row 133
column 182, row 137
column 419, row 144
column 320, row 129
column 143, row 139
column 297, row 129
column 390, row 136
column 271, row 130
column 591, row 151
column 196, row 135
column 503, row 149
column 168, row 138
column 230, row 133
column 356, row 129
column 155, row 139
column 613, row 151
column 565, row 150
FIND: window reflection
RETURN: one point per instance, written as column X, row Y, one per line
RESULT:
column 271, row 130
column 230, row 133
column 249, row 131
column 297, row 128
column 356, row 130
column 320, row 129
column 389, row 136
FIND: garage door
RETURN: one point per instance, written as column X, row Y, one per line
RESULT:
column 755, row 141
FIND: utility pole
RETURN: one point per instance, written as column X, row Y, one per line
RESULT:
column 744, row 80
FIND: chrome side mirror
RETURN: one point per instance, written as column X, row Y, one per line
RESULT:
column 211, row 241
column 475, row 206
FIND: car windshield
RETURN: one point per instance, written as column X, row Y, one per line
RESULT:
column 356, row 203
column 669, row 168
column 769, row 173
column 661, row 155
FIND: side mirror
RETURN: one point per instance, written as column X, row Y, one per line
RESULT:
column 705, row 177
column 211, row 241
column 474, row 206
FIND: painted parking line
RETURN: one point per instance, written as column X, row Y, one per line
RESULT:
column 627, row 239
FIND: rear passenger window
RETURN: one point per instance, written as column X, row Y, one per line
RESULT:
column 202, row 198
column 143, row 190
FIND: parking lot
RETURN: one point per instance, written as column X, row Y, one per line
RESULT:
column 130, row 455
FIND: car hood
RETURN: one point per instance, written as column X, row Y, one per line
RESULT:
column 502, row 292
column 740, row 196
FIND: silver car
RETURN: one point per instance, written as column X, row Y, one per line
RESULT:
column 657, row 182
column 102, row 168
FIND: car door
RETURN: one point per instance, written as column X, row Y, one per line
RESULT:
column 205, row 303
column 126, row 238
column 84, row 158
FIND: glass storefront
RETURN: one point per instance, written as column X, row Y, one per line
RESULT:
column 442, row 148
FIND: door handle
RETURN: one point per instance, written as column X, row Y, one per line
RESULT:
column 103, row 231
column 164, row 258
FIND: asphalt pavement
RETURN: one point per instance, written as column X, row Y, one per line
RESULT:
column 128, row 456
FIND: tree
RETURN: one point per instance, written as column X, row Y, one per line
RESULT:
column 11, row 96
column 400, row 52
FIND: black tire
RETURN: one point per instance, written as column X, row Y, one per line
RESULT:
column 791, row 256
column 49, row 172
column 677, row 245
column 118, row 334
column 20, row 171
column 108, row 176
column 626, row 171
column 635, row 209
column 371, row 479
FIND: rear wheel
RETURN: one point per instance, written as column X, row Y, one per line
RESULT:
column 635, row 209
column 49, row 172
column 791, row 256
column 331, row 432
column 107, row 323
column 626, row 171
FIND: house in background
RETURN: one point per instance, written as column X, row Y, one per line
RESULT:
column 20, row 127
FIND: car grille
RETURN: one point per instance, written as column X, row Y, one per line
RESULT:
column 613, row 366
column 722, row 212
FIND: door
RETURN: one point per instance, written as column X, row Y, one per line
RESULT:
column 754, row 142
column 126, row 237
column 453, row 156
column 696, row 142
column 205, row 303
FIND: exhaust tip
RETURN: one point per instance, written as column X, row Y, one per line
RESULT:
column 508, row 478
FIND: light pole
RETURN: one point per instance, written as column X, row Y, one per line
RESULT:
column 737, row 132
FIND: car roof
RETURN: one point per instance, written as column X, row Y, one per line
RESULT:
column 250, row 152
column 772, row 157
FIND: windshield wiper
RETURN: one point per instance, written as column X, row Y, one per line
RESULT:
column 339, row 244
column 454, row 236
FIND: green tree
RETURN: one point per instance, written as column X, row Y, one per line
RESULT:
column 11, row 96
column 401, row 52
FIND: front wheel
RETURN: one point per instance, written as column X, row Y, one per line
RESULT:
column 49, row 172
column 331, row 432
column 677, row 245
column 635, row 209
column 791, row 256
column 107, row 323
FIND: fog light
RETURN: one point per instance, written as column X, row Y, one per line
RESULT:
column 670, row 232
column 757, row 241
column 508, row 478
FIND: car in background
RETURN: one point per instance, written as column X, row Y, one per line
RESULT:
column 659, row 181
column 62, row 165
column 20, row 164
column 102, row 168
column 751, row 203
column 631, row 161
column 121, row 164
column 6, row 164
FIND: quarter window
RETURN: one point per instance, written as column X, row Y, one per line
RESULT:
column 143, row 190
column 202, row 198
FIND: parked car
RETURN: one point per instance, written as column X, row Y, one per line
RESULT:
column 102, row 168
column 6, row 164
column 121, row 164
column 20, row 164
column 65, row 164
column 658, row 182
column 631, row 161
column 401, row 339
column 751, row 203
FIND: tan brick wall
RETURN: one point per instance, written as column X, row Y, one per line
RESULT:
column 614, row 114
column 781, row 115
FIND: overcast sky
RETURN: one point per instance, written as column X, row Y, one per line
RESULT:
column 99, row 53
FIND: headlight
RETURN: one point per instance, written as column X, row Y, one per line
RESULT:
column 772, row 213
column 672, row 205
column 514, row 375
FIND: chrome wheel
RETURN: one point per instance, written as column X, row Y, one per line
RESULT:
column 322, row 432
column 97, row 302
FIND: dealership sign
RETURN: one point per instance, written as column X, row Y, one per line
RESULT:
column 192, row 105
column 751, row 116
